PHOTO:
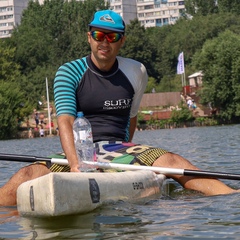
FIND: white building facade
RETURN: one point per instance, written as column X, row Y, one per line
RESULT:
column 156, row 13
column 150, row 13
column 127, row 9
column 10, row 15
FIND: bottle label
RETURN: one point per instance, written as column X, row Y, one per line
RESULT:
column 83, row 136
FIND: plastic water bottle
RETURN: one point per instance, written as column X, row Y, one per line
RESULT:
column 83, row 140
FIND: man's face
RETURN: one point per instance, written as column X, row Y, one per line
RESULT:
column 103, row 50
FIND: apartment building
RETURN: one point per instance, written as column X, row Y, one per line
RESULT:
column 150, row 13
column 10, row 15
column 127, row 9
column 156, row 13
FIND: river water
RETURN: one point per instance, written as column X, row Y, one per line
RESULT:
column 178, row 214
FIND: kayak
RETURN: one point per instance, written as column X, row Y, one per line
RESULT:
column 61, row 193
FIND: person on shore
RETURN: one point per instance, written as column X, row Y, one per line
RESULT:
column 108, row 89
column 30, row 133
column 41, row 118
column 189, row 103
column 194, row 105
column 41, row 131
column 36, row 119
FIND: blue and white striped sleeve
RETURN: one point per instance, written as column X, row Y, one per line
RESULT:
column 66, row 82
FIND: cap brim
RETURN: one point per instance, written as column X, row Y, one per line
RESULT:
column 107, row 28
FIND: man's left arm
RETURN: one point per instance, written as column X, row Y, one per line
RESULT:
column 132, row 127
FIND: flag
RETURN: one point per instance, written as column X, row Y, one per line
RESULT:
column 180, row 66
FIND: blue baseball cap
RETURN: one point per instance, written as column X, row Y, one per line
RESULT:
column 109, row 20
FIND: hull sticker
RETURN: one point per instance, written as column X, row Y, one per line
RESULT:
column 31, row 195
column 94, row 190
column 138, row 185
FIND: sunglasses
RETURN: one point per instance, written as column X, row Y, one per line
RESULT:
column 111, row 37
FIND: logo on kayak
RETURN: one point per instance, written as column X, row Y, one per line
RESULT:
column 137, row 185
column 31, row 196
column 94, row 190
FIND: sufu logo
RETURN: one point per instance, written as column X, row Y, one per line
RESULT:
column 106, row 18
column 119, row 102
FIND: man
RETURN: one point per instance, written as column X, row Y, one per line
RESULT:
column 108, row 89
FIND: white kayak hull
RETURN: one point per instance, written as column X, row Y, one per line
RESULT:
column 58, row 194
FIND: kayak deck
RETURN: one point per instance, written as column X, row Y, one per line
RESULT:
column 57, row 194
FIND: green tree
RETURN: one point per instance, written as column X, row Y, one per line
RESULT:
column 53, row 33
column 201, row 7
column 151, row 85
column 161, row 53
column 219, row 59
column 137, row 45
column 14, row 107
column 181, row 116
column 49, row 35
column 12, row 103
column 231, row 6
column 186, row 36
column 170, row 83
column 9, row 70
column 31, row 39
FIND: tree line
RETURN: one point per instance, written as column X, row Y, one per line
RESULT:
column 56, row 32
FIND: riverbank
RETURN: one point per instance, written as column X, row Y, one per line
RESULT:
column 25, row 133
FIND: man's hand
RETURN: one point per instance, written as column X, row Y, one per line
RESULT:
column 75, row 169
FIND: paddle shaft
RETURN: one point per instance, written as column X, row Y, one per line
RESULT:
column 209, row 174
column 31, row 159
column 167, row 171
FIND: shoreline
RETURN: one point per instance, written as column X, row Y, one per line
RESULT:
column 24, row 134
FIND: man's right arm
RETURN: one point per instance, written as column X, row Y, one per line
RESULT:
column 65, row 125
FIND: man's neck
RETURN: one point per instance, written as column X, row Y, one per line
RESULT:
column 103, row 66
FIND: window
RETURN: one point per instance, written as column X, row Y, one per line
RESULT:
column 149, row 21
column 148, row 7
column 159, row 22
column 165, row 21
column 4, row 32
column 150, row 14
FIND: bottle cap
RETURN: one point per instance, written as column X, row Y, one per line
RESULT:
column 79, row 114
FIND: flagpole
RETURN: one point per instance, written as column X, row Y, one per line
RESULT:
column 184, row 77
column 49, row 115
column 183, row 83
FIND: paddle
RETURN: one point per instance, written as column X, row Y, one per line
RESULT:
column 168, row 171
column 31, row 159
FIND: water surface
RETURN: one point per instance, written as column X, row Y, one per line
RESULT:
column 178, row 214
